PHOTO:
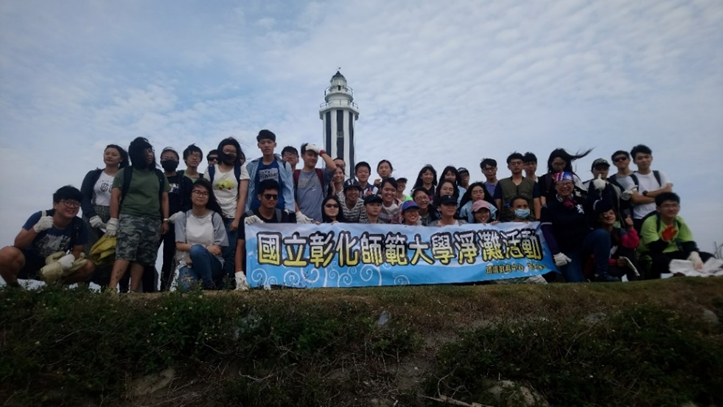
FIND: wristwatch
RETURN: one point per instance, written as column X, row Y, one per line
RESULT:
column 645, row 193
column 166, row 220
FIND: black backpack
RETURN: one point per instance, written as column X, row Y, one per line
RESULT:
column 128, row 174
column 76, row 224
column 656, row 173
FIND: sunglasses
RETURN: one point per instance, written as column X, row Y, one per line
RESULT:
column 331, row 206
column 212, row 158
column 617, row 160
column 271, row 197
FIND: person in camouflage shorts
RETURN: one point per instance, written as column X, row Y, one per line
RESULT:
column 137, row 239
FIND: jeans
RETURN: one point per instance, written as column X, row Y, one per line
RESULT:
column 597, row 243
column 229, row 252
column 205, row 267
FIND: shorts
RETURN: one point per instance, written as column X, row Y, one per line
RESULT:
column 33, row 264
column 137, row 239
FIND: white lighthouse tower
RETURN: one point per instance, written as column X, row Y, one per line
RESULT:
column 338, row 114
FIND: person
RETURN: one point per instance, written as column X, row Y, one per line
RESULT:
column 623, row 242
column 58, row 232
column 341, row 164
column 290, row 155
column 463, row 177
column 331, row 210
column 96, row 190
column 529, row 163
column 352, row 206
column 560, row 161
column 270, row 166
column 311, row 183
column 621, row 161
column 337, row 183
column 391, row 206
column 169, row 162
column 200, row 237
column 362, row 171
column 600, row 188
column 475, row 192
column 445, row 187
column 372, row 207
column 401, row 186
column 384, row 170
column 212, row 157
column 230, row 182
column 514, row 186
column 192, row 156
column 139, row 213
column 520, row 209
column 427, row 213
column 482, row 212
column 568, row 234
column 269, row 192
column 489, row 170
column 426, row 179
column 410, row 214
column 447, row 211
column 645, row 184
column 666, row 237
column 450, row 174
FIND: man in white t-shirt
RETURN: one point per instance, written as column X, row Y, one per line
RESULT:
column 649, row 184
column 230, row 182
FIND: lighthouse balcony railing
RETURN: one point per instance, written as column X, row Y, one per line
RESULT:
column 339, row 89
column 339, row 103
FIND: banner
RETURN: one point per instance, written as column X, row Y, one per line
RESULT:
column 355, row 255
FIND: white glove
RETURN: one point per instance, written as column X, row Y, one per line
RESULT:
column 250, row 220
column 628, row 193
column 66, row 262
column 172, row 218
column 599, row 183
column 314, row 148
column 561, row 259
column 112, row 227
column 301, row 218
column 241, row 283
column 696, row 260
column 44, row 223
column 96, row 222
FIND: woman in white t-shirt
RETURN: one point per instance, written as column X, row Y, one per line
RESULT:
column 200, row 236
column 96, row 190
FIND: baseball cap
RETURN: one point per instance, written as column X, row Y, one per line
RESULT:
column 461, row 170
column 599, row 162
column 409, row 205
column 447, row 199
column 372, row 199
column 170, row 149
column 351, row 183
column 479, row 205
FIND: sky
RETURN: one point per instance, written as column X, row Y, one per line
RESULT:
column 446, row 83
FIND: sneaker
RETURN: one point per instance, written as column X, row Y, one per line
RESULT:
column 606, row 278
column 241, row 283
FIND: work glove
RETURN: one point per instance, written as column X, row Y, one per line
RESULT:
column 301, row 218
column 250, row 220
column 66, row 262
column 561, row 259
column 314, row 148
column 628, row 193
column 599, row 183
column 44, row 223
column 172, row 218
column 241, row 283
column 669, row 233
column 111, row 229
column 696, row 260
column 96, row 222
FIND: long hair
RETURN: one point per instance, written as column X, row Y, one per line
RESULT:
column 123, row 153
column 212, row 203
column 457, row 178
column 230, row 141
column 137, row 153
column 567, row 157
column 467, row 197
column 327, row 219
column 418, row 183
column 437, row 193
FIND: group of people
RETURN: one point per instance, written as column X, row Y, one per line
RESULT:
column 596, row 230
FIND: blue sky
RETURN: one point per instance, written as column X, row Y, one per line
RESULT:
column 441, row 83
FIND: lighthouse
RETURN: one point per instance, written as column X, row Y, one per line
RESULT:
column 339, row 113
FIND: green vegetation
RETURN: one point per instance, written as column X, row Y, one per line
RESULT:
column 593, row 344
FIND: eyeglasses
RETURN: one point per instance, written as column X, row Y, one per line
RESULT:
column 70, row 204
column 271, row 197
column 200, row 193
column 617, row 160
column 331, row 206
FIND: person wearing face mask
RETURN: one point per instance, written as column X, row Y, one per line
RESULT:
column 169, row 162
column 520, row 209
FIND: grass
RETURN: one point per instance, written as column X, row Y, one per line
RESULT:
column 646, row 344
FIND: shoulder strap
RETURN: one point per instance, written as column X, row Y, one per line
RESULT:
column 237, row 171
column 127, row 175
column 161, row 179
column 77, row 225
column 211, row 172
column 656, row 173
column 296, row 179
column 279, row 215
column 320, row 174
column 635, row 180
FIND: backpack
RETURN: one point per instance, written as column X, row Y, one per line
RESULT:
column 212, row 172
column 319, row 173
column 277, row 212
column 127, row 175
column 76, row 224
column 656, row 173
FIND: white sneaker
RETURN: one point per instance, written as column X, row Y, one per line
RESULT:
column 241, row 283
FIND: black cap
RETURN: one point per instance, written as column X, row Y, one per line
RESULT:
column 447, row 199
column 352, row 183
column 599, row 162
column 461, row 170
column 601, row 206
column 372, row 199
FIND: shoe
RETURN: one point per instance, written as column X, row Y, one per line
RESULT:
column 241, row 283
column 606, row 278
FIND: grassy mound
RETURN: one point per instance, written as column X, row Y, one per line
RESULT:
column 643, row 343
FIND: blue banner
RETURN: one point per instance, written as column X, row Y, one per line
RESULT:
column 354, row 255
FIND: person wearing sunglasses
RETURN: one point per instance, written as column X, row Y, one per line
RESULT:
column 331, row 210
column 58, row 232
column 212, row 157
column 267, row 212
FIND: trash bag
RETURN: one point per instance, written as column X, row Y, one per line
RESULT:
column 103, row 251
